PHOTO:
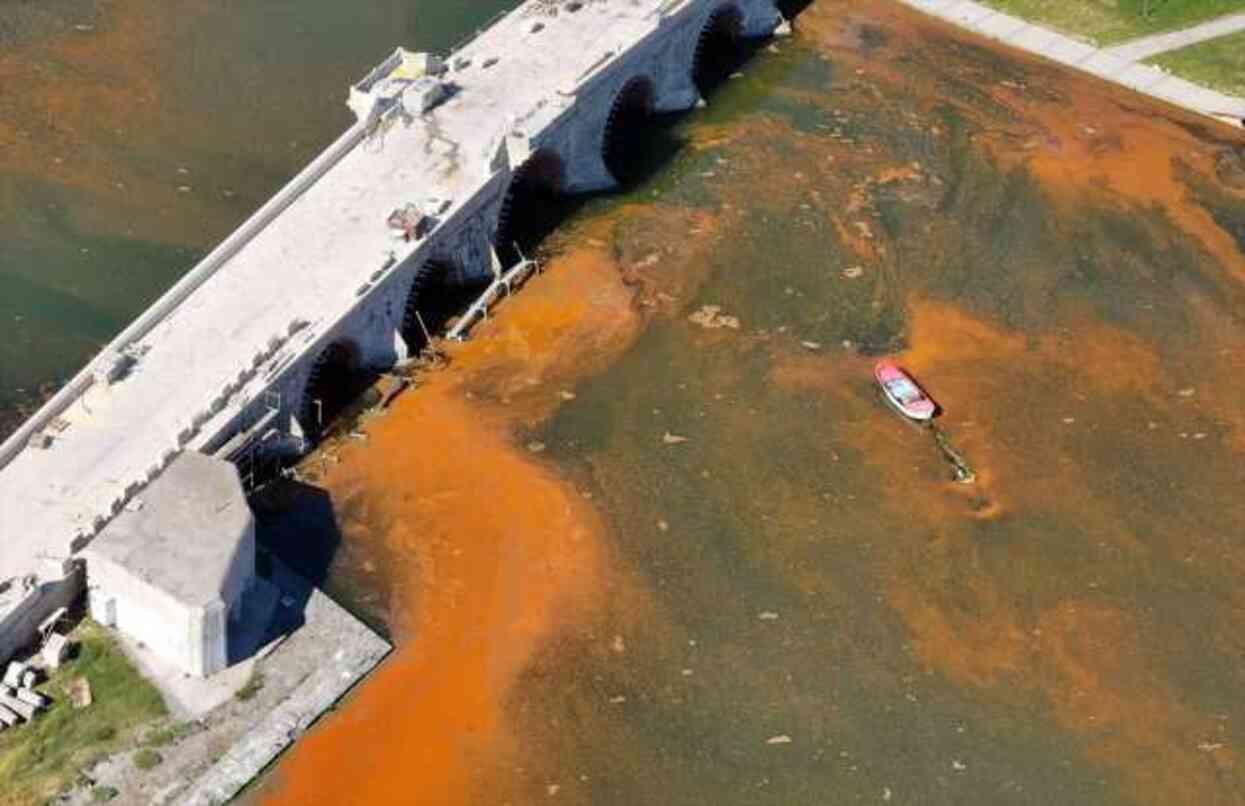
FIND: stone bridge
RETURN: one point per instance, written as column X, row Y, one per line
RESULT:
column 259, row 343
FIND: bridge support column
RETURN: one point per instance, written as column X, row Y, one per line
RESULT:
column 678, row 97
column 760, row 19
column 586, row 171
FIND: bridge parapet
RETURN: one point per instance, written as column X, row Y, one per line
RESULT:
column 229, row 352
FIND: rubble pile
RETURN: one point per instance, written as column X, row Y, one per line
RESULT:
column 18, row 699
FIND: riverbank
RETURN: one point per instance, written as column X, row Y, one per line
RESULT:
column 1102, row 63
column 153, row 736
column 1216, row 63
column 1119, row 21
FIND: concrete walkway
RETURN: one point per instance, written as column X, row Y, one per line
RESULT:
column 1138, row 50
column 1100, row 62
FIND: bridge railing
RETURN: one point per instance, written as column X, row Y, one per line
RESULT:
column 474, row 35
column 196, row 277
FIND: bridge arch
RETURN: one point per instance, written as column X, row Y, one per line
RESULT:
column 530, row 208
column 336, row 378
column 719, row 47
column 630, row 115
column 436, row 294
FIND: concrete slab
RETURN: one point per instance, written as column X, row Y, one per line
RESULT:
column 186, row 696
column 190, row 697
column 1033, row 38
column 1147, row 46
column 1066, row 50
column 1140, row 77
column 935, row 7
column 326, row 651
column 182, row 534
column 1119, row 64
column 969, row 14
column 1104, row 65
column 1000, row 26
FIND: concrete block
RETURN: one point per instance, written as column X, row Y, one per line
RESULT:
column 13, row 674
column 112, row 366
column 1104, row 65
column 1000, row 26
column 936, row 7
column 969, row 14
column 55, row 650
column 24, row 710
column 1141, row 77
column 1033, row 38
column 32, row 698
column 1068, row 51
column 39, row 440
column 49, row 623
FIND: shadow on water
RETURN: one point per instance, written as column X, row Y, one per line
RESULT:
column 301, row 529
column 792, row 8
column 296, row 524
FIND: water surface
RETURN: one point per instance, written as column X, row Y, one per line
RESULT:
column 631, row 559
column 752, row 582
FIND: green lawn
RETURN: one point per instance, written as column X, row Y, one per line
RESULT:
column 1114, row 21
column 41, row 758
column 1217, row 63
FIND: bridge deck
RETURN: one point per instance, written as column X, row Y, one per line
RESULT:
column 306, row 264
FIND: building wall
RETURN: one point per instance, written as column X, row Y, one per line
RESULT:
column 19, row 627
column 241, row 574
column 193, row 639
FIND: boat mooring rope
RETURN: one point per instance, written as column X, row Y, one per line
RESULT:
column 964, row 473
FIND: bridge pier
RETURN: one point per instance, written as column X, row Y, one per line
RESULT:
column 587, row 171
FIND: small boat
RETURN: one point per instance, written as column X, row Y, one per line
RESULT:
column 903, row 393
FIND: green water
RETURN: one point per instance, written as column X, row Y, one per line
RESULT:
column 801, row 553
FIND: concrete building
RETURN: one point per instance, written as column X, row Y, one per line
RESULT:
column 172, row 569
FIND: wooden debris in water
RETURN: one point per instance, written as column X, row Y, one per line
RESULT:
column 710, row 317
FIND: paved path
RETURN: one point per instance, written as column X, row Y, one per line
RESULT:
column 1099, row 62
column 1139, row 50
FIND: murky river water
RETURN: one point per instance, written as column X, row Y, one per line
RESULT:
column 629, row 558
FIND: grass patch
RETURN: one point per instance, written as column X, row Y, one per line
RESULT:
column 147, row 759
column 1114, row 21
column 251, row 688
column 169, row 734
column 1216, row 63
column 41, row 758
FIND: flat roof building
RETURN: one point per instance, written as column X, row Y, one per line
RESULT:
column 170, row 571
